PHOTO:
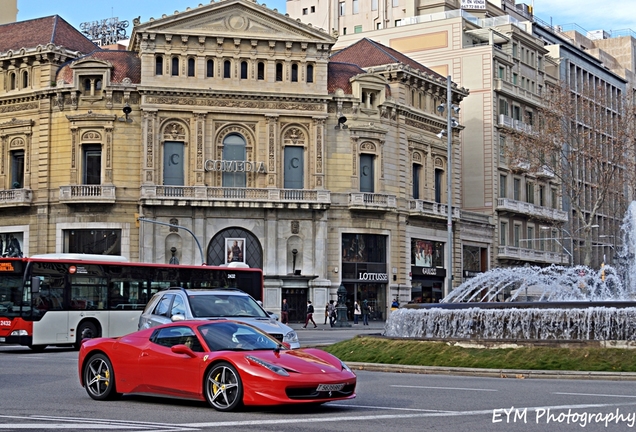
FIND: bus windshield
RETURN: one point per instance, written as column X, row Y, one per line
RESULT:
column 11, row 298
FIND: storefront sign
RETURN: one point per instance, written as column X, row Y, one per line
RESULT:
column 428, row 271
column 380, row 277
column 235, row 166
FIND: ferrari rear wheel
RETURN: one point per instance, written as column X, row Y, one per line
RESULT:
column 99, row 378
column 223, row 387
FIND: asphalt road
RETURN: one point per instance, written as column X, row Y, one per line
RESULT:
column 40, row 391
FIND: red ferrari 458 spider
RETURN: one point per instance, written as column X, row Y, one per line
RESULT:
column 226, row 363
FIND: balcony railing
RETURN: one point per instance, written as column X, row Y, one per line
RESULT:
column 511, row 123
column 516, row 92
column 428, row 208
column 82, row 194
column 16, row 197
column 235, row 197
column 372, row 201
column 532, row 210
column 524, row 254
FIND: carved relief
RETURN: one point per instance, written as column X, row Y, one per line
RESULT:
column 439, row 163
column 367, row 146
column 91, row 136
column 417, row 157
column 295, row 227
column 174, row 131
column 16, row 143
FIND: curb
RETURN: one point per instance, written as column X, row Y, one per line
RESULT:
column 494, row 373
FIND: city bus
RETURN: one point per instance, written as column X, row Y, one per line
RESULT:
column 60, row 299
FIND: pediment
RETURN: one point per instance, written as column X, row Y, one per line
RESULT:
column 235, row 19
column 91, row 63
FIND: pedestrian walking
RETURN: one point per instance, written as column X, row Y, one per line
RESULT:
column 310, row 314
column 331, row 309
column 326, row 313
column 365, row 312
column 356, row 312
column 284, row 312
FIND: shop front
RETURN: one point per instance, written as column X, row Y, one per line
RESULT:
column 364, row 273
column 427, row 271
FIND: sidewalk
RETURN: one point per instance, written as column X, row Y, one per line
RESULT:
column 373, row 325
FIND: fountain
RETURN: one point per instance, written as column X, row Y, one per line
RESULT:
column 532, row 303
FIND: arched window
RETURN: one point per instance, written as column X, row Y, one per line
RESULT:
column 227, row 69
column 175, row 66
column 261, row 70
column 98, row 84
column 294, row 73
column 87, row 85
column 25, row 79
column 190, row 67
column 159, row 65
column 279, row 71
column 234, row 150
column 12, row 82
column 209, row 68
column 310, row 73
column 243, row 70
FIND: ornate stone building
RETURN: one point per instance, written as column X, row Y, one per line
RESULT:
column 236, row 138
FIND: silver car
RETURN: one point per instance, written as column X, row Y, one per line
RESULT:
column 175, row 304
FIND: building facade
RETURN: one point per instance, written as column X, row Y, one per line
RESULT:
column 226, row 135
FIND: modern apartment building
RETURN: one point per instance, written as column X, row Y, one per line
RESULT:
column 506, row 68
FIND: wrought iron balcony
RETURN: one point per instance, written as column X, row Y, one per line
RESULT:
column 16, row 197
column 531, row 210
column 203, row 196
column 372, row 201
column 531, row 255
column 85, row 194
column 428, row 208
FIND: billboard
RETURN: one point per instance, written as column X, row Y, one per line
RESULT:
column 473, row 4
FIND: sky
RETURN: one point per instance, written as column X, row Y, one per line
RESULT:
column 587, row 14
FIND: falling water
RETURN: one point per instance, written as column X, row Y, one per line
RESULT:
column 551, row 303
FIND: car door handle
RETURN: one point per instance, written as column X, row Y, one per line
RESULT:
column 144, row 354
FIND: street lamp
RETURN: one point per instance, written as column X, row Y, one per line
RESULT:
column 450, row 108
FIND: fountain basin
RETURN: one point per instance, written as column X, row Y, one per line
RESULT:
column 559, row 321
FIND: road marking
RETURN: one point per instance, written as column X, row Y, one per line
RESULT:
column 594, row 395
column 385, row 408
column 445, row 388
column 88, row 424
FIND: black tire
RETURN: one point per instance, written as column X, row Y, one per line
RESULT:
column 86, row 330
column 37, row 348
column 223, row 388
column 99, row 378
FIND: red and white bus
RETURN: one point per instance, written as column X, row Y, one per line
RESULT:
column 60, row 299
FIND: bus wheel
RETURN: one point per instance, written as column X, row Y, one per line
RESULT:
column 37, row 348
column 86, row 330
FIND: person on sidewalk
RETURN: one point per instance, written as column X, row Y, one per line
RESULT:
column 331, row 310
column 326, row 313
column 284, row 312
column 356, row 313
column 365, row 312
column 310, row 314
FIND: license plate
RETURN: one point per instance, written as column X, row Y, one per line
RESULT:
column 330, row 387
column 2, row 339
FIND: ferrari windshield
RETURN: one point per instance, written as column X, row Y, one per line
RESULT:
column 233, row 336
column 225, row 306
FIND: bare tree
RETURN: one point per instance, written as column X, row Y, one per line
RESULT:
column 586, row 140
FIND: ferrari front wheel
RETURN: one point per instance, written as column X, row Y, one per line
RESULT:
column 223, row 387
column 99, row 378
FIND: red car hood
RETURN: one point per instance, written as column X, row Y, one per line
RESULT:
column 307, row 361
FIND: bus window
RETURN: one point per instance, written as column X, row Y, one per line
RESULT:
column 88, row 292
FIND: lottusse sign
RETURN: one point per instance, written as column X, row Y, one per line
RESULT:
column 380, row 277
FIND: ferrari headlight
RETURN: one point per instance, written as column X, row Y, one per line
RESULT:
column 345, row 367
column 291, row 337
column 276, row 369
